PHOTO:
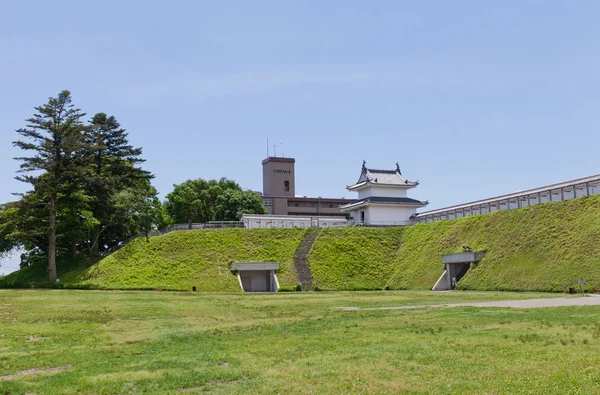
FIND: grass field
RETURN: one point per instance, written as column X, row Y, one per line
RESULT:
column 104, row 342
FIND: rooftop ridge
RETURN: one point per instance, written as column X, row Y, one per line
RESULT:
column 382, row 171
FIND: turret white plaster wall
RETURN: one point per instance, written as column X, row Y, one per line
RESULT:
column 385, row 215
column 388, row 215
column 381, row 191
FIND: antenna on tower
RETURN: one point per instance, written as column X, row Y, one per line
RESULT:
column 267, row 147
column 275, row 150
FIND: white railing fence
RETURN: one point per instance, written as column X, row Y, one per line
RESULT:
column 263, row 223
column 190, row 226
column 381, row 223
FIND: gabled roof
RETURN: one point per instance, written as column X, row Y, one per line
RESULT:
column 381, row 200
column 392, row 178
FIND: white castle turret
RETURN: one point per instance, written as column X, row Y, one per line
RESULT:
column 382, row 198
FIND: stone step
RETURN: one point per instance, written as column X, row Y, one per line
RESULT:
column 301, row 259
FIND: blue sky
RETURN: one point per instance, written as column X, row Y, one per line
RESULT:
column 472, row 98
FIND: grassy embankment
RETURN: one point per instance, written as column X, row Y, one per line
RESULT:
column 531, row 249
column 181, row 260
column 99, row 342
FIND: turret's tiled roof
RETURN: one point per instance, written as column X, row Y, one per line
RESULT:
column 400, row 201
column 383, row 178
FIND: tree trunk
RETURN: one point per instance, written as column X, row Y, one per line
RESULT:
column 94, row 247
column 74, row 249
column 52, row 241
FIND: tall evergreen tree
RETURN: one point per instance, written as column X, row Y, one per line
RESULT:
column 115, row 174
column 55, row 136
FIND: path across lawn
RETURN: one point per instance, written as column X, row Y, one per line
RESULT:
column 592, row 300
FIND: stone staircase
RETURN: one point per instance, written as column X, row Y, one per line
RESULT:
column 301, row 259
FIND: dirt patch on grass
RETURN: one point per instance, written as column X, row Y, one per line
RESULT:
column 515, row 304
column 129, row 375
column 33, row 372
column 211, row 384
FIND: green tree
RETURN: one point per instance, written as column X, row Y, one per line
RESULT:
column 232, row 204
column 202, row 201
column 116, row 183
column 131, row 211
column 55, row 136
column 8, row 242
column 88, row 194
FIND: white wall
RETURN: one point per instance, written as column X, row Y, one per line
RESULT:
column 569, row 194
column 380, row 191
column 544, row 197
column 292, row 222
column 384, row 215
column 253, row 223
column 357, row 217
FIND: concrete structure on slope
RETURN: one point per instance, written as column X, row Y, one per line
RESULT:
column 382, row 198
column 457, row 266
column 550, row 193
column 279, row 192
column 257, row 276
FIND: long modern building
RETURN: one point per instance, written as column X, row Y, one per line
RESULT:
column 550, row 193
column 279, row 192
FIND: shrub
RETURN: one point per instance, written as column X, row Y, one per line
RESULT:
column 287, row 288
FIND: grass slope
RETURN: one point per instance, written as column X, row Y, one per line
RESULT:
column 181, row 260
column 531, row 249
column 537, row 248
column 354, row 258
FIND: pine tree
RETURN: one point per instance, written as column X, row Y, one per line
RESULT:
column 114, row 170
column 55, row 136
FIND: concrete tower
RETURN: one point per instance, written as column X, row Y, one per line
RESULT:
column 278, row 177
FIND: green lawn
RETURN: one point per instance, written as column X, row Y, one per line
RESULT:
column 162, row 342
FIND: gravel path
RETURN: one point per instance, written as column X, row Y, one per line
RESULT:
column 516, row 304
